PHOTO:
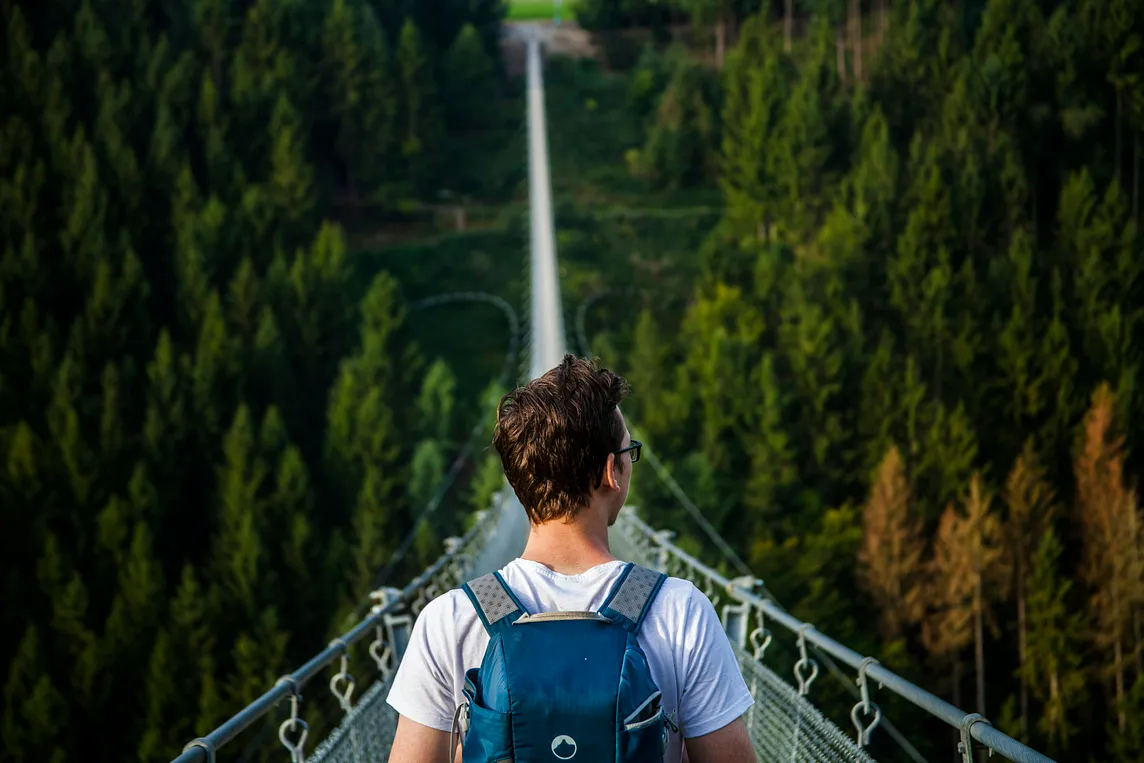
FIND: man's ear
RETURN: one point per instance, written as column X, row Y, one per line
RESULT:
column 609, row 480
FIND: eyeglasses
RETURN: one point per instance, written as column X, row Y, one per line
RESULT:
column 634, row 448
column 635, row 451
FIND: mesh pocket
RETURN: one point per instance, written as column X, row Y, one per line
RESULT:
column 643, row 738
column 490, row 736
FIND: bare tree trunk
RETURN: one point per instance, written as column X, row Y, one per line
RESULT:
column 1022, row 647
column 720, row 38
column 979, row 638
column 788, row 24
column 856, row 37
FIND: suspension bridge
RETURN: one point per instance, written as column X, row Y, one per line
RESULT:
column 784, row 722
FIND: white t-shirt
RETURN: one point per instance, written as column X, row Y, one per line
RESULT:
column 687, row 649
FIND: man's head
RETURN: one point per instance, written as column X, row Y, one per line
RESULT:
column 557, row 437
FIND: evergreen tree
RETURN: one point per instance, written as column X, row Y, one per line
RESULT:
column 1110, row 522
column 1052, row 664
column 754, row 94
column 436, row 401
column 1031, row 508
column 890, row 555
column 419, row 123
column 469, row 92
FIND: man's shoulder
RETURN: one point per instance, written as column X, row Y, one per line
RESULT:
column 678, row 590
column 445, row 606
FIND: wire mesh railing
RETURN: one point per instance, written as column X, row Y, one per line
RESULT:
column 740, row 605
column 389, row 626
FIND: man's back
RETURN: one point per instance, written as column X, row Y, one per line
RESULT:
column 688, row 654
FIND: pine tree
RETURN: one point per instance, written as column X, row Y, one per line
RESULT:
column 1051, row 666
column 771, row 452
column 419, row 124
column 160, row 692
column 754, row 94
column 237, row 546
column 35, row 711
column 371, row 531
column 986, row 568
column 890, row 555
column 469, row 87
column 436, row 401
column 361, row 93
column 1030, row 499
column 948, row 625
column 808, row 340
column 803, row 150
column 1110, row 519
column 681, row 142
column 291, row 177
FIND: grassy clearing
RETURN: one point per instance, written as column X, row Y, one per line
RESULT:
column 531, row 10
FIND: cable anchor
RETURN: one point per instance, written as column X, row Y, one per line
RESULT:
column 804, row 682
column 291, row 724
column 865, row 704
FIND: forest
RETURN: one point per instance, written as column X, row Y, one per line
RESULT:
column 904, row 375
column 214, row 429
column 873, row 269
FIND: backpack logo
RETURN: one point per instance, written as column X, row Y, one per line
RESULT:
column 564, row 747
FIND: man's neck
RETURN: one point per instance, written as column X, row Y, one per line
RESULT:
column 569, row 548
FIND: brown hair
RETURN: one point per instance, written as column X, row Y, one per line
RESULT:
column 554, row 435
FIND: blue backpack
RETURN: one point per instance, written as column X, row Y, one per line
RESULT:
column 558, row 686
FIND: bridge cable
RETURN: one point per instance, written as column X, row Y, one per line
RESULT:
column 724, row 547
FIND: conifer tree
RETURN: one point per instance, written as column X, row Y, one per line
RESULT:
column 986, row 569
column 435, row 402
column 948, row 625
column 237, row 547
column 1031, row 511
column 419, row 124
column 771, row 453
column 754, row 95
column 1051, row 666
column 469, row 85
column 291, row 178
column 1109, row 519
column 803, row 171
column 890, row 555
column 35, row 710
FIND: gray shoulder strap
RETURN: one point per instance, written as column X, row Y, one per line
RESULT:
column 495, row 603
column 632, row 596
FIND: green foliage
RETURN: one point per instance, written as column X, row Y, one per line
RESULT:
column 683, row 130
column 942, row 257
column 1053, row 666
column 207, row 404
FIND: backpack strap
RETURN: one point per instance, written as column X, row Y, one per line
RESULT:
column 632, row 595
column 496, row 604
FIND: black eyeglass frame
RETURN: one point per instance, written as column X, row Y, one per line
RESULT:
column 635, row 448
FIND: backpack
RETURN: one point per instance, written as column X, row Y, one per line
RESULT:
column 556, row 686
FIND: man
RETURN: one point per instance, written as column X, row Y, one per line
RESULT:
column 568, row 455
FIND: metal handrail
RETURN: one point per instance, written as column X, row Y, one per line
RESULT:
column 204, row 749
column 972, row 724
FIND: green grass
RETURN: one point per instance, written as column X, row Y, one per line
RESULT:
column 529, row 10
